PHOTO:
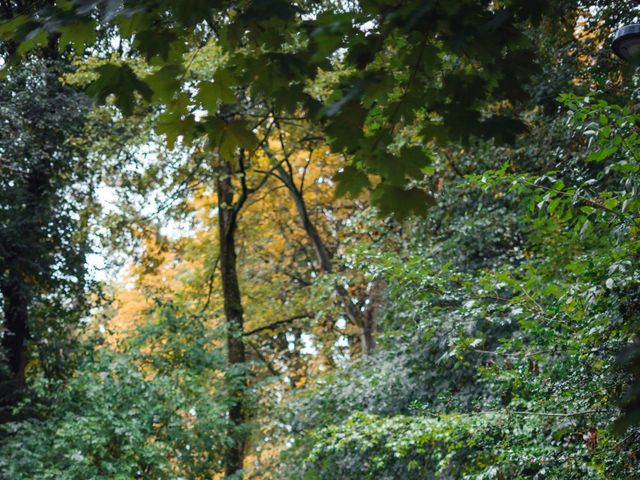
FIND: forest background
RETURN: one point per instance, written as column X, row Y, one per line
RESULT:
column 315, row 240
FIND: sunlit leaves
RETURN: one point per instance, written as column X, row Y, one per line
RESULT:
column 154, row 403
column 603, row 154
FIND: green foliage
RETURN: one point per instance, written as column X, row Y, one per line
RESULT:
column 122, row 82
column 505, row 303
column 504, row 324
column 445, row 71
column 351, row 180
column 479, row 446
column 147, row 409
column 77, row 34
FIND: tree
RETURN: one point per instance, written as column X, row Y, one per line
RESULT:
column 44, row 218
column 358, row 312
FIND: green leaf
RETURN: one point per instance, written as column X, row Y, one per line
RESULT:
column 129, row 24
column 154, row 43
column 409, row 164
column 65, row 5
column 503, row 129
column 35, row 38
column 600, row 155
column 165, row 82
column 400, row 202
column 227, row 137
column 240, row 135
column 585, row 228
column 174, row 125
column 212, row 94
column 120, row 81
column 351, row 180
column 9, row 28
column 345, row 128
column 77, row 34
column 553, row 205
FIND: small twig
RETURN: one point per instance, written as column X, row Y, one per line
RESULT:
column 271, row 368
column 189, row 64
column 266, row 174
column 556, row 350
column 538, row 306
column 493, row 297
column 211, row 278
column 262, row 197
column 540, row 414
column 304, row 170
column 512, row 355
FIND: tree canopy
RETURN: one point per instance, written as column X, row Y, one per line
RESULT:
column 387, row 80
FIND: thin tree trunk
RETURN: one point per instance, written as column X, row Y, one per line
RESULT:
column 227, row 216
column 322, row 252
column 370, row 313
column 367, row 334
column 365, row 323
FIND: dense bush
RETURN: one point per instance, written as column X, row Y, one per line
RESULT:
column 500, row 355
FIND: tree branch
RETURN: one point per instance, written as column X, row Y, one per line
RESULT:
column 211, row 278
column 271, row 368
column 274, row 325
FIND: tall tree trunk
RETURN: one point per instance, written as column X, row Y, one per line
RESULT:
column 227, row 223
column 14, row 344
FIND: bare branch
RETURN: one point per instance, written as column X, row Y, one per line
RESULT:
column 264, row 359
column 277, row 324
